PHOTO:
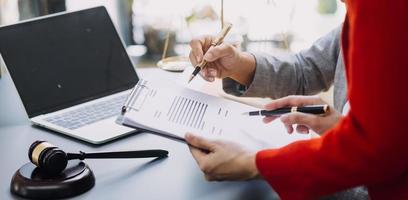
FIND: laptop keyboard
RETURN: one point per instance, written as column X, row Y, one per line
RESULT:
column 88, row 114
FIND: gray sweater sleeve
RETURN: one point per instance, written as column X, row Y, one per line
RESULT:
column 305, row 73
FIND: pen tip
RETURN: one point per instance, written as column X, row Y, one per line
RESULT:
column 245, row 113
column 190, row 79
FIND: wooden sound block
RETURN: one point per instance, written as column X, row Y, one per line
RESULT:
column 30, row 182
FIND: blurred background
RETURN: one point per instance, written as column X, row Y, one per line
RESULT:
column 275, row 26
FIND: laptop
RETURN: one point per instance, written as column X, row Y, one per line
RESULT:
column 71, row 72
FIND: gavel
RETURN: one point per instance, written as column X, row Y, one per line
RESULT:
column 52, row 160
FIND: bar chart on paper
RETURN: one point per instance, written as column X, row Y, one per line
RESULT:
column 187, row 112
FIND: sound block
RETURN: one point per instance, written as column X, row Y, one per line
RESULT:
column 30, row 182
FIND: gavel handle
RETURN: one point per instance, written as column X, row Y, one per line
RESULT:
column 120, row 154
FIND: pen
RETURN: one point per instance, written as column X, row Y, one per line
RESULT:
column 218, row 40
column 313, row 109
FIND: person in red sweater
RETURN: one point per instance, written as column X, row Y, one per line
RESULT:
column 367, row 147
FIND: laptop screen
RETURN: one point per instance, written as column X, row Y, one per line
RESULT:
column 67, row 59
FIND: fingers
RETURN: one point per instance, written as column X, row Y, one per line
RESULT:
column 289, row 128
column 220, row 51
column 299, row 128
column 198, row 154
column 209, row 73
column 196, row 53
column 201, row 49
column 199, row 142
column 307, row 120
column 269, row 119
column 193, row 59
column 197, row 145
column 302, row 129
column 205, row 73
column 293, row 101
column 198, row 47
column 212, row 72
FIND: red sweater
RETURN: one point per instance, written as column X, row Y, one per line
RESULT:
column 370, row 145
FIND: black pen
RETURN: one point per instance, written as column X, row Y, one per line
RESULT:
column 313, row 109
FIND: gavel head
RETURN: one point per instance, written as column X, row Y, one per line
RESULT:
column 49, row 158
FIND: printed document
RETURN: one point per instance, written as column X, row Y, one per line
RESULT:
column 174, row 110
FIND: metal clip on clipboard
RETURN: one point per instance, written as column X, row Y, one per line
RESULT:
column 136, row 97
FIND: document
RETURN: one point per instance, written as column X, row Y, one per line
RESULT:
column 173, row 110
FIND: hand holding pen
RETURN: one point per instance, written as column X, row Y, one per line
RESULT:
column 302, row 122
column 224, row 60
column 217, row 41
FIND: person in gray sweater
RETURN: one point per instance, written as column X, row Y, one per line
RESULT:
column 263, row 75
column 287, row 79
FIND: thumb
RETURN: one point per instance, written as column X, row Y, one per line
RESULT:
column 299, row 118
column 218, row 52
column 199, row 142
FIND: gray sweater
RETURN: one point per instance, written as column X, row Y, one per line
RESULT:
column 305, row 73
